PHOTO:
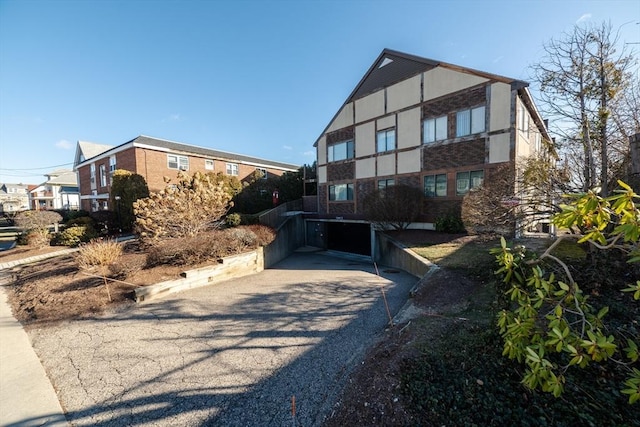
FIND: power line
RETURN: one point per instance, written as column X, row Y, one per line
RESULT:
column 35, row 169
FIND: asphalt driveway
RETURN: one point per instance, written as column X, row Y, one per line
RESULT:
column 229, row 354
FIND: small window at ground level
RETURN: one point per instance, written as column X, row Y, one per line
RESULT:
column 341, row 192
column 435, row 185
column 466, row 181
column 208, row 165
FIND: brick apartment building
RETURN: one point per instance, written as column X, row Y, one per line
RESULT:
column 155, row 159
column 436, row 126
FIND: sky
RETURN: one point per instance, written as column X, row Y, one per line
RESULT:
column 261, row 78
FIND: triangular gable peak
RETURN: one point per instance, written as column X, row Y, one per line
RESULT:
column 392, row 67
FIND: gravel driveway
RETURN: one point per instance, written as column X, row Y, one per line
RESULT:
column 230, row 354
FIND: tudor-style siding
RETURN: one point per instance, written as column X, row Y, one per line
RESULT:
column 438, row 90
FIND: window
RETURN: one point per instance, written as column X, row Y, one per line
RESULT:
column 466, row 181
column 523, row 119
column 232, row 169
column 340, row 151
column 263, row 171
column 341, row 192
column 435, row 185
column 93, row 174
column 177, row 162
column 386, row 140
column 112, row 164
column 94, row 201
column 384, row 183
column 208, row 164
column 470, row 121
column 435, row 129
column 105, row 206
column 103, row 175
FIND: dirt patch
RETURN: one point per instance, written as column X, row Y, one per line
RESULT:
column 373, row 393
column 21, row 252
column 55, row 289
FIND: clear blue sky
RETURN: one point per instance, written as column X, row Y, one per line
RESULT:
column 261, row 78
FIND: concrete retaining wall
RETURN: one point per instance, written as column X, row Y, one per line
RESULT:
column 227, row 268
column 289, row 237
column 393, row 253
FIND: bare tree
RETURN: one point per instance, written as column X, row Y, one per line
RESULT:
column 581, row 78
column 395, row 206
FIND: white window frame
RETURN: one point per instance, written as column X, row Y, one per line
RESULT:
column 335, row 151
column 177, row 162
column 112, row 164
column 386, row 140
column 103, row 175
column 435, row 129
column 475, row 122
column 232, row 169
column 208, row 164
column 92, row 175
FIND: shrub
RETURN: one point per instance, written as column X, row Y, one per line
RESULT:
column 74, row 235
column 244, row 238
column 233, row 220
column 37, row 238
column 80, row 221
column 128, row 266
column 33, row 220
column 264, row 234
column 99, row 255
column 193, row 205
column 450, row 223
column 186, row 250
column 249, row 219
column 105, row 222
column 128, row 187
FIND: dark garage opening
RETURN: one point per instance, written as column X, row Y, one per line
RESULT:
column 349, row 237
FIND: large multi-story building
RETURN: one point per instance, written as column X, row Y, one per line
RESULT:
column 432, row 125
column 154, row 159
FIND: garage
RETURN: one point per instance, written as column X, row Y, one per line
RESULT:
column 349, row 237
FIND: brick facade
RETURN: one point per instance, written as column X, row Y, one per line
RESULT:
column 153, row 166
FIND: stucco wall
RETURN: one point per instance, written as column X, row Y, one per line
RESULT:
column 441, row 81
column 370, row 106
column 404, row 94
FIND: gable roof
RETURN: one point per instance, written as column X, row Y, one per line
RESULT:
column 86, row 150
column 393, row 66
column 178, row 147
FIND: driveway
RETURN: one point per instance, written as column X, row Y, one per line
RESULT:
column 229, row 354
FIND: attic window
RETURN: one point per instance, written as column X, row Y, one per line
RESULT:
column 385, row 61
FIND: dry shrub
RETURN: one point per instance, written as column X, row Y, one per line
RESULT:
column 38, row 238
column 264, row 234
column 99, row 255
column 128, row 266
column 208, row 246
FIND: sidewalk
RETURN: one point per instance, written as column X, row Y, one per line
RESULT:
column 27, row 397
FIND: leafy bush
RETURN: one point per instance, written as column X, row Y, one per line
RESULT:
column 128, row 187
column 551, row 326
column 80, row 221
column 233, row 220
column 450, row 223
column 74, row 235
column 464, row 381
column 243, row 237
column 249, row 219
column 105, row 222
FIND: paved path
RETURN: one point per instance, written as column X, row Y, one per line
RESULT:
column 230, row 354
